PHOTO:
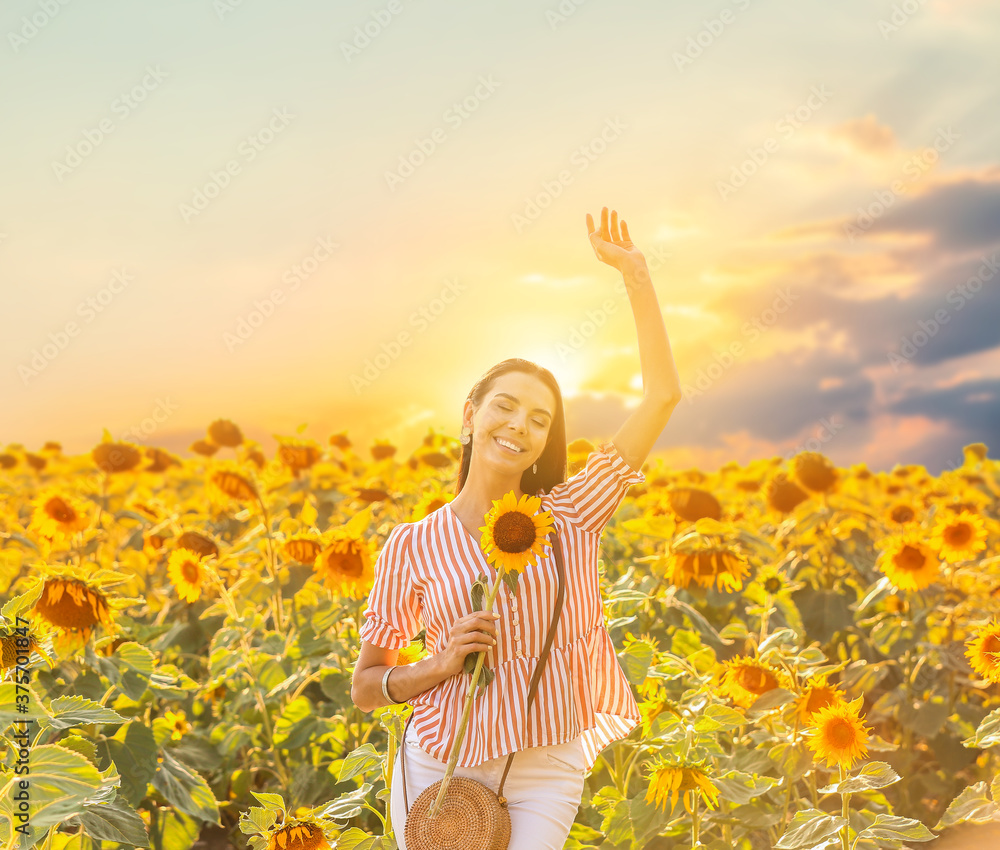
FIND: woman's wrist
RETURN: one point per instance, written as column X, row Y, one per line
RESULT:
column 410, row 680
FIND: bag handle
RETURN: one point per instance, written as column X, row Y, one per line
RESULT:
column 536, row 676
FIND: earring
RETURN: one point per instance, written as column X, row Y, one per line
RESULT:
column 465, row 438
column 534, row 467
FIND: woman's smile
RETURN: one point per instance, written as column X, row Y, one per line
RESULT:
column 509, row 446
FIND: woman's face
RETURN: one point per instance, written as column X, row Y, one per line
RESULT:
column 512, row 425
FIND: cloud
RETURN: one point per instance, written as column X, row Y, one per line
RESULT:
column 963, row 214
column 866, row 135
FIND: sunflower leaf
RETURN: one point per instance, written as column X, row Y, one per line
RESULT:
column 510, row 579
column 875, row 774
column 809, row 828
column 988, row 732
column 470, row 662
column 893, row 828
column 478, row 592
column 972, row 805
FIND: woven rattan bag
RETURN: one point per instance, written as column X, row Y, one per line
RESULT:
column 472, row 816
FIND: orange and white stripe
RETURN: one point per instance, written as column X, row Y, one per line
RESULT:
column 423, row 575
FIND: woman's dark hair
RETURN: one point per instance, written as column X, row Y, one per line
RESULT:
column 552, row 462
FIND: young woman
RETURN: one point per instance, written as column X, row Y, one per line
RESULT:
column 514, row 438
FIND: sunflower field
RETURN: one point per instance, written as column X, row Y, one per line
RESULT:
column 815, row 651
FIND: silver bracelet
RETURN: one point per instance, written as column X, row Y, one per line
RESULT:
column 385, row 687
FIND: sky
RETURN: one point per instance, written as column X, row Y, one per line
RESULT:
column 310, row 218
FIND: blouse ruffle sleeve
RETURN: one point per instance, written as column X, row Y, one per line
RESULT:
column 598, row 489
column 393, row 614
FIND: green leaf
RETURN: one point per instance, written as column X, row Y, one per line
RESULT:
column 792, row 760
column 971, row 806
column 272, row 801
column 875, row 774
column 893, row 828
column 134, row 748
column 478, row 592
column 363, row 759
column 635, row 660
column 185, row 789
column 59, row 781
column 115, row 821
column 740, row 788
column 347, row 806
column 355, row 839
column 771, row 699
column 17, row 604
column 809, row 828
column 988, row 732
column 74, row 710
column 717, row 718
column 824, row 612
column 258, row 821
column 297, row 724
column 137, row 664
column 780, row 637
column 13, row 698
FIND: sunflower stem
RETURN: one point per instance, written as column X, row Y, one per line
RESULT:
column 460, row 735
column 845, row 813
column 694, row 819
column 276, row 607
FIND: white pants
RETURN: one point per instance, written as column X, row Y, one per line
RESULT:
column 543, row 789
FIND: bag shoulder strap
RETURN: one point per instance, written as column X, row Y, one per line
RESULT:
column 560, row 595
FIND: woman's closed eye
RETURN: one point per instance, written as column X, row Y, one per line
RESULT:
column 506, row 409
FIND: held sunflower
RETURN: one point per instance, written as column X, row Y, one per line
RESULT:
column 515, row 532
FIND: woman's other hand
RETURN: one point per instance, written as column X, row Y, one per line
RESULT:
column 611, row 247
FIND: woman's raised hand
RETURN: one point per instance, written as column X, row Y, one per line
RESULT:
column 467, row 635
column 611, row 247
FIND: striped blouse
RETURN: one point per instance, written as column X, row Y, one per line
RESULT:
column 423, row 575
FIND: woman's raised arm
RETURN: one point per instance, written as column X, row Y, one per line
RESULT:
column 660, row 381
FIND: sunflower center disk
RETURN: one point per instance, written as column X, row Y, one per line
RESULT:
column 958, row 535
column 514, row 532
column 841, row 734
column 910, row 559
column 60, row 511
